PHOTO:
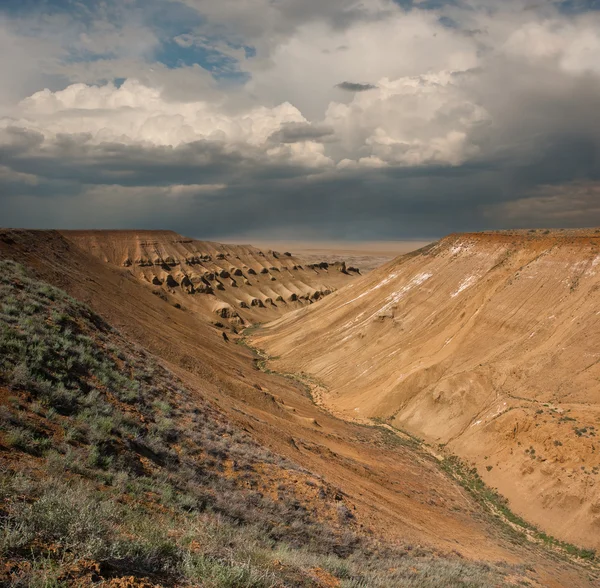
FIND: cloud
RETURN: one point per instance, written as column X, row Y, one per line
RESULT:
column 305, row 67
column 410, row 121
column 355, row 87
column 10, row 177
column 478, row 114
column 431, row 123
column 574, row 204
column 23, row 63
column 266, row 23
column 294, row 132
column 136, row 113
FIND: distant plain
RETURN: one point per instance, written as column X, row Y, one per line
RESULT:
column 366, row 255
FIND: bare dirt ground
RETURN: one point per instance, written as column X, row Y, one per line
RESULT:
column 395, row 490
column 483, row 344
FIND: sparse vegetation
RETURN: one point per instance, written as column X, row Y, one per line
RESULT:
column 488, row 497
column 118, row 470
column 491, row 500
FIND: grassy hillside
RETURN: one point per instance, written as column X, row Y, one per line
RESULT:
column 111, row 469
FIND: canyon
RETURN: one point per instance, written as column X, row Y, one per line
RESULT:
column 369, row 391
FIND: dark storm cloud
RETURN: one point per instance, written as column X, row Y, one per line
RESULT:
column 334, row 205
column 423, row 206
column 259, row 198
column 412, row 203
column 355, row 87
column 571, row 204
column 74, row 158
column 359, row 167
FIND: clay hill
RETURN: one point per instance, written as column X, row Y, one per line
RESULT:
column 487, row 347
column 140, row 448
column 238, row 283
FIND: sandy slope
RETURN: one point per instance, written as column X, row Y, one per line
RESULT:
column 488, row 343
column 396, row 493
column 231, row 283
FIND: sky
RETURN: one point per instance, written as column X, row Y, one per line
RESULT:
column 300, row 119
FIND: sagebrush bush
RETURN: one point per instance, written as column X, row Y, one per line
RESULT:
column 63, row 516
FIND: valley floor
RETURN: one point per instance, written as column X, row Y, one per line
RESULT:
column 494, row 503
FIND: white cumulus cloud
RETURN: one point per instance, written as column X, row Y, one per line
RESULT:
column 307, row 99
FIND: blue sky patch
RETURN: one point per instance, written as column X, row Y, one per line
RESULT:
column 174, row 55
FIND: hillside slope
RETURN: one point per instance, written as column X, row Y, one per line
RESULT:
column 402, row 518
column 485, row 343
column 110, row 466
column 237, row 283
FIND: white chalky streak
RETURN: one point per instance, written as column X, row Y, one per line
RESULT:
column 390, row 300
column 464, row 285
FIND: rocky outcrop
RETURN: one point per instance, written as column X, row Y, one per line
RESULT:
column 187, row 267
column 171, row 281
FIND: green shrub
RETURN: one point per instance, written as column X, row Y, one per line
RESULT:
column 28, row 441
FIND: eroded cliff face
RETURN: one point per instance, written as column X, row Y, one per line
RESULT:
column 236, row 284
column 487, row 343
